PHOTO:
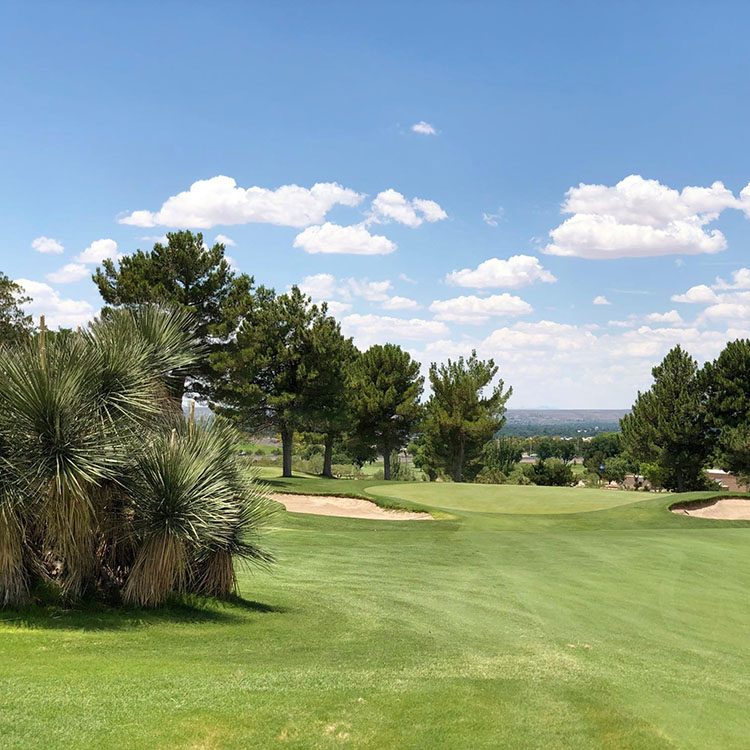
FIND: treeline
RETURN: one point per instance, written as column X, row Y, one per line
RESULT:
column 278, row 361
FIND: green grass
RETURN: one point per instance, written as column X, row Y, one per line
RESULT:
column 535, row 618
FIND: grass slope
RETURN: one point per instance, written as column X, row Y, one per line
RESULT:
column 529, row 620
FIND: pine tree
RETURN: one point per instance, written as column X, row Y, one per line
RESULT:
column 459, row 418
column 385, row 387
column 667, row 424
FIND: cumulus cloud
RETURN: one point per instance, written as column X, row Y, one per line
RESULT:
column 58, row 311
column 371, row 329
column 99, row 251
column 219, row 200
column 475, row 310
column 47, row 245
column 640, row 218
column 400, row 303
column 697, row 295
column 390, row 205
column 600, row 300
column 740, row 280
column 69, row 273
column 513, row 273
column 423, row 128
column 222, row 239
column 335, row 239
column 671, row 318
column 326, row 287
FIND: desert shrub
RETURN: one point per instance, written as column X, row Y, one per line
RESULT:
column 551, row 472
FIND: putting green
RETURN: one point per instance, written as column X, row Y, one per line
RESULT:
column 493, row 498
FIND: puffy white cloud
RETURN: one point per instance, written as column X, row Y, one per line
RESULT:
column 600, row 300
column 219, row 200
column 475, row 310
column 326, row 287
column 400, row 303
column 47, row 245
column 423, row 128
column 390, row 205
column 69, row 273
column 337, row 308
column 639, row 218
column 58, row 311
column 372, row 329
column 352, row 240
column 98, row 251
column 697, row 295
column 672, row 318
column 513, row 273
column 222, row 239
column 730, row 309
column 740, row 280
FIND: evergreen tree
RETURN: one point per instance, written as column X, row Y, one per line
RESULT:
column 183, row 274
column 459, row 419
column 385, row 387
column 277, row 370
column 666, row 427
column 726, row 382
column 14, row 322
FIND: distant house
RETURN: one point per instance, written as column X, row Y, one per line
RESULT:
column 727, row 481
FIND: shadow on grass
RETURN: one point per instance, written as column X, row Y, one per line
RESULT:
column 97, row 616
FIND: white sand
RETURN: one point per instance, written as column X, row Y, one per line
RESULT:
column 348, row 507
column 727, row 509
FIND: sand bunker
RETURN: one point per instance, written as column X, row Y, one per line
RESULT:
column 348, row 507
column 725, row 509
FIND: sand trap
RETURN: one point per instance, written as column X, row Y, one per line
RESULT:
column 726, row 509
column 348, row 507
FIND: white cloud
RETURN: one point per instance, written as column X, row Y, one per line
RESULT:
column 378, row 329
column 423, row 128
column 98, row 251
column 640, row 218
column 740, row 280
column 492, row 220
column 319, row 286
column 219, row 200
column 406, row 278
column 390, row 205
column 47, row 245
column 58, row 312
column 513, row 273
column 338, row 308
column 600, row 300
column 352, row 240
column 475, row 310
column 672, row 318
column 700, row 295
column 222, row 239
column 400, row 303
column 161, row 239
column 69, row 273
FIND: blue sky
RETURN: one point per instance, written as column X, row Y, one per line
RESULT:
column 110, row 110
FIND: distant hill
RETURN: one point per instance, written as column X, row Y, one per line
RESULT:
column 562, row 422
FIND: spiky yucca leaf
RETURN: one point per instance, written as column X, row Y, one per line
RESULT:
column 188, row 495
column 171, row 345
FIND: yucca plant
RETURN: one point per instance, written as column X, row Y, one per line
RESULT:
column 192, row 513
column 102, row 482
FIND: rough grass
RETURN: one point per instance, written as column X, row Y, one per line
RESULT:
column 512, row 625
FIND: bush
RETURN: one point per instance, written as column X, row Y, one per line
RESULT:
column 552, row 472
column 490, row 476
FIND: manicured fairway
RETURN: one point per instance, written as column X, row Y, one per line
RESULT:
column 509, row 625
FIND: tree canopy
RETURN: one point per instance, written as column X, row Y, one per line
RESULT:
column 666, row 427
column 385, row 387
column 459, row 418
column 14, row 322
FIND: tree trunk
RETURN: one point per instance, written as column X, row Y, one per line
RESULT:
column 328, row 456
column 386, row 462
column 287, row 438
column 458, row 474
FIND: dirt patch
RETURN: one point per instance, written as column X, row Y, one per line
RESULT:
column 724, row 509
column 347, row 507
